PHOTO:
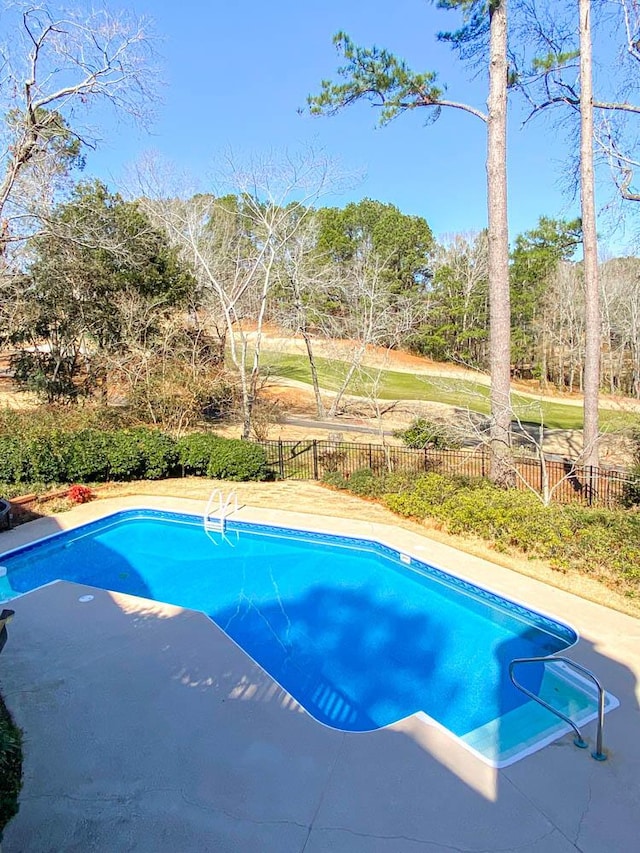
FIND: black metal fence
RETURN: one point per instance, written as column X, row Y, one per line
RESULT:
column 565, row 481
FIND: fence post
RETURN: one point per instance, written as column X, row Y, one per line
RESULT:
column 370, row 457
column 315, row 459
column 280, row 459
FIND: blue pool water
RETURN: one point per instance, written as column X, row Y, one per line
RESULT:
column 358, row 637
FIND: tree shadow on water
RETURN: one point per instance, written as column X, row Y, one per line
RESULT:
column 84, row 562
column 352, row 660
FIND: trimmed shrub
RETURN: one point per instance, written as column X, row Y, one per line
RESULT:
column 599, row 542
column 45, row 454
column 141, row 453
column 424, row 495
column 88, row 456
column 423, row 433
column 234, row 459
column 509, row 518
column 604, row 540
column 195, row 450
column 159, row 452
column 366, row 483
column 126, row 458
column 14, row 465
column 335, row 479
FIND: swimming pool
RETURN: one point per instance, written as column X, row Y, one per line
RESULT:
column 358, row 633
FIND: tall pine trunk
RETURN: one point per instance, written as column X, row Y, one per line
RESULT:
column 501, row 469
column 591, row 380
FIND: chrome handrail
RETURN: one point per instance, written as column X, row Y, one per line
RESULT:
column 579, row 741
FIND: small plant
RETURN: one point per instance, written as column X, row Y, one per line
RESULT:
column 334, row 479
column 80, row 494
column 365, row 483
column 331, row 460
column 423, row 433
column 631, row 493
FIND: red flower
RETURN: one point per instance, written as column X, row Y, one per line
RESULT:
column 80, row 494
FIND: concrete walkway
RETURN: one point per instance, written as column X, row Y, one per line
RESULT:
column 147, row 729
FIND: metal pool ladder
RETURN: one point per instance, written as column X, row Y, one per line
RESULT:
column 578, row 740
column 218, row 508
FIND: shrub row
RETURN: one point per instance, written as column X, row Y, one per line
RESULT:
column 222, row 458
column 10, row 766
column 604, row 543
column 93, row 455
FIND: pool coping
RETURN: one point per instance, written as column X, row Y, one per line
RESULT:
column 399, row 540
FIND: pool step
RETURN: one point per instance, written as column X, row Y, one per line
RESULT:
column 529, row 727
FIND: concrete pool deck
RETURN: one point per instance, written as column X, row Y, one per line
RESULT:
column 147, row 729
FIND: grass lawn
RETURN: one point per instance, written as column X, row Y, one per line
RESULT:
column 398, row 385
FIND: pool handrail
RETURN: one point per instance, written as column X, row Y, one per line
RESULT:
column 579, row 741
column 226, row 505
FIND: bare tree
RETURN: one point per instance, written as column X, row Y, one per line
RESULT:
column 370, row 315
column 169, row 375
column 620, row 288
column 460, row 295
column 236, row 245
column 305, row 283
column 532, row 437
column 57, row 67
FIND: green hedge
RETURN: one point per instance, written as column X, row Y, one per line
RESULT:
column 631, row 494
column 604, row 543
column 89, row 455
column 207, row 454
column 233, row 459
column 422, row 433
column 194, row 452
column 92, row 455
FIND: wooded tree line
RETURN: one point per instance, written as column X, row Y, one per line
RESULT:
column 172, row 292
column 155, row 296
column 547, row 309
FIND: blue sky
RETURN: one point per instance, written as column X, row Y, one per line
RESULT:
column 235, row 75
